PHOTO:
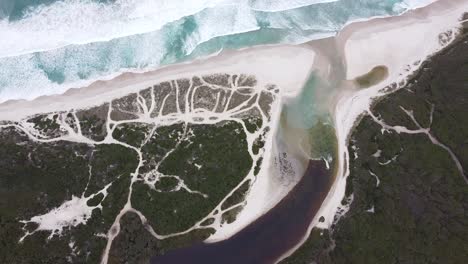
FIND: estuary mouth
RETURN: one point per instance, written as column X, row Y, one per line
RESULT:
column 233, row 131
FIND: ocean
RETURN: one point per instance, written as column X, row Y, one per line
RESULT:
column 49, row 46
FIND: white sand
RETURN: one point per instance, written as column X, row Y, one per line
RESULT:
column 400, row 43
column 288, row 67
column 396, row 42
column 285, row 66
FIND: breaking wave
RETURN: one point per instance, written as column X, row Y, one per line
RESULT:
column 49, row 47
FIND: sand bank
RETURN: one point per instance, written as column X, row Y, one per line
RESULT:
column 288, row 67
column 401, row 44
column 285, row 66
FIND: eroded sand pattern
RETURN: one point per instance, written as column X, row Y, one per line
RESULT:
column 218, row 150
column 156, row 128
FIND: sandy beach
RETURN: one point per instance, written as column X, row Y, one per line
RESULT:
column 400, row 43
column 385, row 41
column 285, row 66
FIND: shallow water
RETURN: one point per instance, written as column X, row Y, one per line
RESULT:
column 49, row 47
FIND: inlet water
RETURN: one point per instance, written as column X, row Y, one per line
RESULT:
column 49, row 46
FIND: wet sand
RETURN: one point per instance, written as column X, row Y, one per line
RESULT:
column 265, row 240
column 283, row 227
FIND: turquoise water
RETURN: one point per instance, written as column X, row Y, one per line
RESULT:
column 307, row 126
column 304, row 110
column 46, row 61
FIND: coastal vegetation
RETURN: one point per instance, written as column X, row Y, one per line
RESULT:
column 409, row 197
column 133, row 173
column 212, row 161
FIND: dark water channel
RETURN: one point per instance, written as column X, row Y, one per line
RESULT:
column 270, row 236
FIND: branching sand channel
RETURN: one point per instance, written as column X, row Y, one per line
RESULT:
column 194, row 149
column 420, row 130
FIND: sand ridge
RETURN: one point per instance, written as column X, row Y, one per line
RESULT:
column 359, row 46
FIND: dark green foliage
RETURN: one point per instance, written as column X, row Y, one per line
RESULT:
column 208, row 222
column 166, row 184
column 395, row 115
column 218, row 79
column 253, row 124
column 185, row 240
column 312, row 248
column 258, row 165
column 134, row 244
column 45, row 125
column 201, row 165
column 172, row 211
column 113, row 203
column 421, row 202
column 231, row 215
column 108, row 163
column 246, row 80
column 95, row 200
column 34, row 178
column 94, row 127
column 131, row 133
column 37, row 175
column 221, row 150
column 323, row 142
column 163, row 140
column 93, row 122
column 259, row 142
column 237, row 197
column 418, row 205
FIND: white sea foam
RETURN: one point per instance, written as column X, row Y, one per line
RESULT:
column 84, row 21
column 413, row 4
column 228, row 19
column 82, row 40
column 281, row 5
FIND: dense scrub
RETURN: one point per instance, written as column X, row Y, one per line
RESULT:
column 410, row 201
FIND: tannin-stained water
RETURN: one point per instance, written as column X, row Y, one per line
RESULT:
column 270, row 236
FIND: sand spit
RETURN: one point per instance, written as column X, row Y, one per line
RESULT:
column 400, row 44
column 286, row 66
column 263, row 241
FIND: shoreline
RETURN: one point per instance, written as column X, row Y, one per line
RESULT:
column 270, row 65
column 248, row 60
column 422, row 26
column 278, row 229
column 124, row 73
column 351, row 104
